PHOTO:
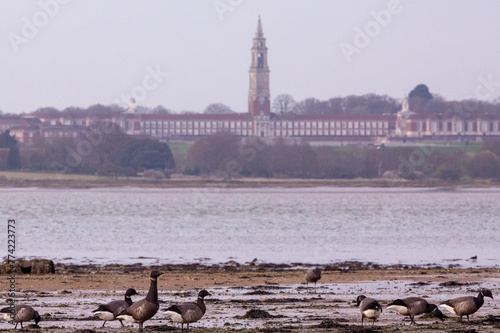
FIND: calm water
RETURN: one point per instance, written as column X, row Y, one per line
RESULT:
column 320, row 225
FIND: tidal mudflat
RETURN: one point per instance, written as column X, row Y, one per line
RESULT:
column 259, row 297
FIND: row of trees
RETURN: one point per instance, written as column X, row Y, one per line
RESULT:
column 365, row 104
column 225, row 156
column 101, row 149
column 9, row 142
column 420, row 98
column 107, row 151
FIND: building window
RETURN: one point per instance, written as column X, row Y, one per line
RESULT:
column 484, row 126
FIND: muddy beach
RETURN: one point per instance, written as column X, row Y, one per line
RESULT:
column 257, row 297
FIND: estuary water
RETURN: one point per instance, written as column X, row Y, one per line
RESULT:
column 279, row 225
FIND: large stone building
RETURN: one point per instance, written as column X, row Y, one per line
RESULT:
column 259, row 120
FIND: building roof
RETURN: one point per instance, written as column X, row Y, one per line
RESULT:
column 191, row 116
column 334, row 117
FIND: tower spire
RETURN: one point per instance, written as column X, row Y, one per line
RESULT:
column 259, row 95
column 259, row 33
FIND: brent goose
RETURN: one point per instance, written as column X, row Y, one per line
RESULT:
column 414, row 306
column 369, row 308
column 109, row 311
column 467, row 305
column 313, row 275
column 146, row 308
column 189, row 312
column 23, row 313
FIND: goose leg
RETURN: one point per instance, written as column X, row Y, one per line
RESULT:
column 16, row 325
column 362, row 319
column 140, row 327
column 121, row 322
column 103, row 323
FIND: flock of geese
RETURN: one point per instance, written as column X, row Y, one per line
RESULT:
column 190, row 312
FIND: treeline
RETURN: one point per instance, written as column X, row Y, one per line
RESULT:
column 420, row 101
column 99, row 109
column 225, row 156
column 101, row 149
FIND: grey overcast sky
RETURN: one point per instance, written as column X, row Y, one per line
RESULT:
column 65, row 53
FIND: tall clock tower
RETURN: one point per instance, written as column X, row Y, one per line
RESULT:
column 259, row 96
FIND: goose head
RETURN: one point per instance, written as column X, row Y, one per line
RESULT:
column 131, row 292
column 203, row 293
column 487, row 293
column 155, row 274
column 434, row 311
column 359, row 299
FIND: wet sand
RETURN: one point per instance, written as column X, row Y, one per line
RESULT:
column 65, row 300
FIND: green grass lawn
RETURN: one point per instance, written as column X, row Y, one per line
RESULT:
column 180, row 151
column 21, row 175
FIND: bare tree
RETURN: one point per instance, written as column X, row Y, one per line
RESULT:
column 283, row 104
column 218, row 108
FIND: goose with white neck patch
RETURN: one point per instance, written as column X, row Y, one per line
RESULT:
column 189, row 312
column 146, row 308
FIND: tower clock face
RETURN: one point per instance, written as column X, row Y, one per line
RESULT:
column 262, row 100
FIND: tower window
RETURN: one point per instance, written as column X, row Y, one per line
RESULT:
column 260, row 60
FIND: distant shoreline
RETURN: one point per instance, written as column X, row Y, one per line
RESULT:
column 53, row 180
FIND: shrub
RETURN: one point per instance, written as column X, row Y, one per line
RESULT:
column 484, row 165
